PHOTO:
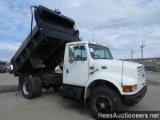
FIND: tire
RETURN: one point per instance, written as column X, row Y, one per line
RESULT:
column 55, row 88
column 46, row 87
column 21, row 79
column 38, row 86
column 102, row 100
column 29, row 90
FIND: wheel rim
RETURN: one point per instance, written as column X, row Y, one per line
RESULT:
column 103, row 104
column 26, row 88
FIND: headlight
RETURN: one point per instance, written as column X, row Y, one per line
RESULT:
column 134, row 88
column 129, row 88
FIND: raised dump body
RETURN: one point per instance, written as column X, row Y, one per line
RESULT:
column 43, row 51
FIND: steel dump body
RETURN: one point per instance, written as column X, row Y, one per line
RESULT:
column 42, row 52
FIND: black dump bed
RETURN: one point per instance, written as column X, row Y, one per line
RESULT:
column 42, row 52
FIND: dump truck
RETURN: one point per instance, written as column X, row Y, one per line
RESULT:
column 89, row 72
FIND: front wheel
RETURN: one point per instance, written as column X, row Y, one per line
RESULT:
column 103, row 100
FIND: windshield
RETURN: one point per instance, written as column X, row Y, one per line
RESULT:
column 99, row 52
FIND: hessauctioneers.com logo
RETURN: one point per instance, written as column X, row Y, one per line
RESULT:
column 151, row 115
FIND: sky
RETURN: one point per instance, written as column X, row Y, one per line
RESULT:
column 122, row 25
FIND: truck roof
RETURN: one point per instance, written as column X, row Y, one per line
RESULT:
column 85, row 42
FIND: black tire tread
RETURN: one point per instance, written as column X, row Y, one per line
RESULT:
column 38, row 86
column 32, row 83
column 118, row 106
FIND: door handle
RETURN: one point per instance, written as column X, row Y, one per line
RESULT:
column 67, row 71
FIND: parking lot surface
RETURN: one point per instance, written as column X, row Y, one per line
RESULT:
column 51, row 106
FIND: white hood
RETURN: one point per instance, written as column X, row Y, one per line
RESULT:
column 119, row 68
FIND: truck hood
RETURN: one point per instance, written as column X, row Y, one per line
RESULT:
column 122, row 70
column 117, row 63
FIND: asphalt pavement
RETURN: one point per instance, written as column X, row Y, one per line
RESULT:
column 51, row 106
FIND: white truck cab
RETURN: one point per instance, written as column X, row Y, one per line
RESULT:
column 91, row 65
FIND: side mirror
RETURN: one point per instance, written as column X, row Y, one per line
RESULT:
column 71, row 54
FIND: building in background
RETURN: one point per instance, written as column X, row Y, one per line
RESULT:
column 150, row 64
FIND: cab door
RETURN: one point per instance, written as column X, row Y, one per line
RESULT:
column 76, row 72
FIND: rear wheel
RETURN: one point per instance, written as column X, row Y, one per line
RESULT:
column 29, row 88
column 103, row 100
column 21, row 79
column 38, row 86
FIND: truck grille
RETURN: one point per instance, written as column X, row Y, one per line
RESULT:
column 141, row 74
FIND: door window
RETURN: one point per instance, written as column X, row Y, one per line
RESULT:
column 77, row 53
column 80, row 53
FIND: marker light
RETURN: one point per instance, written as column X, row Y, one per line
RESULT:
column 129, row 88
column 57, row 11
column 91, row 67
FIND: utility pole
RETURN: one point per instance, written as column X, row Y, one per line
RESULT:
column 132, row 54
column 142, row 46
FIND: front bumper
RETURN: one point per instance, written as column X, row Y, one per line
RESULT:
column 132, row 100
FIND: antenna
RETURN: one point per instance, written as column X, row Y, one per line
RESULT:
column 142, row 46
column 132, row 54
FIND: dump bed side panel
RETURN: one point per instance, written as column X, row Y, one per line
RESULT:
column 25, row 42
column 46, row 48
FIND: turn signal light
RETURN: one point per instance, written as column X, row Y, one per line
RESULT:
column 91, row 67
column 127, row 89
